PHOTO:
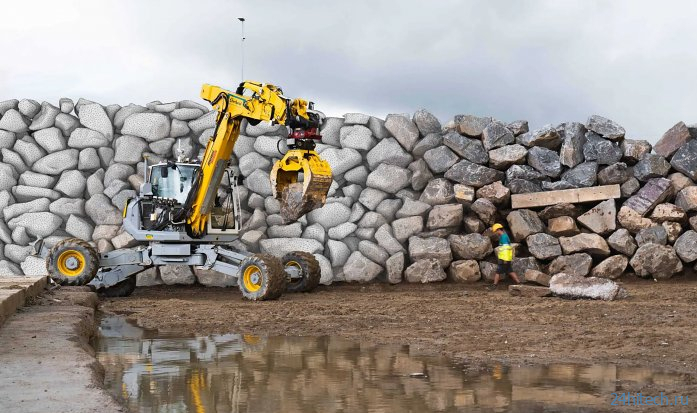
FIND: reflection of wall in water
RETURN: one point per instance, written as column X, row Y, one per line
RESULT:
column 295, row 374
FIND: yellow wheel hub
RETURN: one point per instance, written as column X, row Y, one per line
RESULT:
column 71, row 263
column 252, row 278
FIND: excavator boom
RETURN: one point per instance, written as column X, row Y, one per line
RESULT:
column 259, row 102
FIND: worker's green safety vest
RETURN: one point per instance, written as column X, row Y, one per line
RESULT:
column 505, row 252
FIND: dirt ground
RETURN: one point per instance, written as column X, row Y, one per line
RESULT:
column 654, row 327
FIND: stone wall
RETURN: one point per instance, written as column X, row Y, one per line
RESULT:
column 411, row 200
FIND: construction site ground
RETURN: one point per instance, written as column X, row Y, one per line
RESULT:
column 654, row 327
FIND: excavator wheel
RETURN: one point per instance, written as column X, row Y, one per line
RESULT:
column 72, row 262
column 308, row 267
column 261, row 277
column 122, row 289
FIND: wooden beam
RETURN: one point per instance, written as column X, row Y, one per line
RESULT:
column 570, row 196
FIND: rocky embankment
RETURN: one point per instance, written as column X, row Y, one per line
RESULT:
column 411, row 199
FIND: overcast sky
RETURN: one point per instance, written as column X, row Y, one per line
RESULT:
column 544, row 61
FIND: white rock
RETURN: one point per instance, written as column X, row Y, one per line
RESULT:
column 177, row 274
column 64, row 207
column 342, row 231
column 17, row 209
column 150, row 126
column 125, row 112
column 129, row 149
column 358, row 268
column 72, row 184
column 94, row 117
column 50, row 139
column 28, row 107
column 279, row 247
column 79, row 228
column 57, row 162
column 330, row 215
column 204, row 122
column 34, row 266
column 13, row 121
column 38, row 224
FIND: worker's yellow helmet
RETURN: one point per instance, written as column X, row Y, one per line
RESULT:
column 496, row 227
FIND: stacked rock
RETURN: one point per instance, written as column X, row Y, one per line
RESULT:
column 411, row 199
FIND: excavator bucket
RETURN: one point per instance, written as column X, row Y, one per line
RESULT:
column 301, row 180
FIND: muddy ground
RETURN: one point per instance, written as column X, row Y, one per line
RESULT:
column 655, row 327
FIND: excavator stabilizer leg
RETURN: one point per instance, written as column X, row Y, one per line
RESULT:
column 298, row 197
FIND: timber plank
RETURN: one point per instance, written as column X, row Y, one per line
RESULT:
column 571, row 196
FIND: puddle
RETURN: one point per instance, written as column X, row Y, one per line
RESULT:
column 164, row 372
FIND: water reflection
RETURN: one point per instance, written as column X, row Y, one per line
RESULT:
column 241, row 373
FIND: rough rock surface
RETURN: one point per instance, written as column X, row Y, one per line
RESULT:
column 576, row 286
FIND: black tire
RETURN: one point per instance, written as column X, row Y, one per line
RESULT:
column 261, row 277
column 309, row 271
column 122, row 289
column 72, row 262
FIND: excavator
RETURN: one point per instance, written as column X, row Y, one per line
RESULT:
column 180, row 218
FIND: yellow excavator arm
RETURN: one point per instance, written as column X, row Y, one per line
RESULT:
column 258, row 102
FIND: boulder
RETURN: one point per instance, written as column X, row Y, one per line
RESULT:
column 630, row 187
column 575, row 286
column 562, row 227
column 51, row 139
column 79, row 228
column 497, row 193
column 686, row 246
column 395, row 267
column 403, row 129
column 574, row 264
column 37, row 224
column 371, row 198
column 634, row 150
column 177, row 274
column 518, row 127
column 387, row 151
column 496, row 135
column 574, row 137
column 330, row 131
column 622, row 242
column 64, row 207
column 601, row 219
column 13, row 121
column 99, row 208
column 668, row 212
column 605, row 128
column 469, row 149
column 685, row 159
column 672, row 140
column 679, row 181
column 412, row 208
column 357, row 137
column 149, row 126
column 24, row 193
column 523, row 223
column 45, row 119
column 470, row 125
column 537, row 277
column 654, row 192
column 94, row 117
column 124, row 240
column 473, row 224
column 129, row 149
column 57, row 162
column 464, row 194
column 438, row 191
column 464, row 271
column 545, row 161
column 430, row 248
column 631, row 220
column 521, row 265
column 651, row 166
column 687, row 199
column 340, row 160
column 206, row 121
column 430, row 141
column 358, row 268
column 652, row 235
column 470, row 246
column 612, row 267
column 506, row 156
column 426, row 122
column 373, row 251
column 404, row 228
column 389, row 178
column 425, row 271
column 443, row 216
column 377, row 127
column 591, row 243
column 673, row 230
column 485, row 210
column 560, row 210
column 582, row 175
column 617, row 173
column 28, row 107
column 17, row 209
column 471, row 174
column 386, row 239
column 657, row 261
column 546, row 137
column 603, row 151
column 388, row 208
column 279, row 247
column 543, row 246
column 440, row 159
column 420, row 174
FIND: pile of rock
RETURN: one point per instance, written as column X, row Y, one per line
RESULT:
column 411, row 199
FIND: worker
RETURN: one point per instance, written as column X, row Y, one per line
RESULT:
column 505, row 256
